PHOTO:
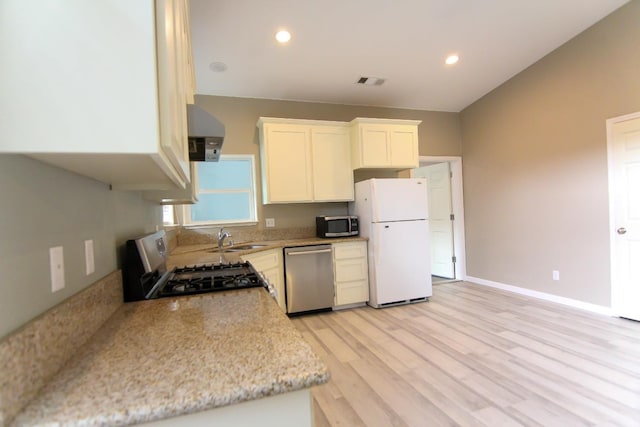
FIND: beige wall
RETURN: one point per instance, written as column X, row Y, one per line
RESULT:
column 535, row 164
column 535, row 173
column 44, row 206
column 439, row 134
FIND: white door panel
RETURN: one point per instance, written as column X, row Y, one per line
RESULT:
column 626, row 186
column 441, row 227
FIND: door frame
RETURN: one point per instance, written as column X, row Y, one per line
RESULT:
column 457, row 204
column 615, row 283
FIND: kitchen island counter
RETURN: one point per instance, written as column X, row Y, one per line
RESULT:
column 174, row 356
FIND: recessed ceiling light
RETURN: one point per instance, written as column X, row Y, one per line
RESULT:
column 283, row 36
column 451, row 59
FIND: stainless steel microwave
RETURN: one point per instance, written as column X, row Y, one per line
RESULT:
column 336, row 226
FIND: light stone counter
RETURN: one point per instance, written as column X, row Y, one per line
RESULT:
column 173, row 356
column 208, row 253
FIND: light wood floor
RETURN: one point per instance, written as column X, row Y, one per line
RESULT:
column 475, row 356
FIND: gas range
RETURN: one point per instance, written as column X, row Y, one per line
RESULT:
column 145, row 275
column 209, row 278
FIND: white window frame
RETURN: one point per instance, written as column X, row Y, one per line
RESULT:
column 172, row 210
column 186, row 209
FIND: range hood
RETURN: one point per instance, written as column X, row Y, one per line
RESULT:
column 206, row 135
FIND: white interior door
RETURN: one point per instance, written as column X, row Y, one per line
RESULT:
column 441, row 226
column 625, row 163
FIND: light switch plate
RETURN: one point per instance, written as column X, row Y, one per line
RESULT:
column 56, row 266
column 89, row 261
column 270, row 222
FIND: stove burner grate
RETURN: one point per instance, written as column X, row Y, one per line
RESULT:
column 209, row 278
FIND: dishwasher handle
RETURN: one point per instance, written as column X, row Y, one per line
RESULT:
column 319, row 251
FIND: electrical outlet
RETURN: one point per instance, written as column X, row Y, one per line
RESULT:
column 89, row 261
column 556, row 275
column 271, row 222
column 56, row 266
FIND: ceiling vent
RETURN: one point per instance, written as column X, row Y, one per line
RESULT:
column 370, row 81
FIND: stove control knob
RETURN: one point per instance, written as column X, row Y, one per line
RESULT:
column 273, row 292
column 272, row 289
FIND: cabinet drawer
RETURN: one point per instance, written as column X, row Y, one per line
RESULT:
column 350, row 250
column 352, row 292
column 348, row 270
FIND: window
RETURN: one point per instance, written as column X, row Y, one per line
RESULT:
column 167, row 215
column 226, row 192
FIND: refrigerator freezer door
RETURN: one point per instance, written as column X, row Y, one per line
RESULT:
column 400, row 199
column 401, row 269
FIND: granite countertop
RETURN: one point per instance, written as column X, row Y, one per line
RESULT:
column 208, row 253
column 173, row 356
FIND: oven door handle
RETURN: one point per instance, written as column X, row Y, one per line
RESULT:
column 159, row 284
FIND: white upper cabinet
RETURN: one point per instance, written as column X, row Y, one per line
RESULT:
column 285, row 155
column 384, row 143
column 99, row 88
column 331, row 162
column 174, row 76
column 305, row 161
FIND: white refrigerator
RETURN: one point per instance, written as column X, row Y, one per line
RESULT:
column 393, row 215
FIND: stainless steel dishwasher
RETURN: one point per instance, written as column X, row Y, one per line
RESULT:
column 308, row 278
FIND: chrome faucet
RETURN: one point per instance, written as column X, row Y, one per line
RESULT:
column 221, row 236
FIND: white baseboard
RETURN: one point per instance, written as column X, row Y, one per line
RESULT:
column 594, row 308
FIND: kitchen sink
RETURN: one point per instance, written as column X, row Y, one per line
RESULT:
column 238, row 248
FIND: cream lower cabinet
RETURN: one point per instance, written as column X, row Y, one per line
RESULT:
column 305, row 161
column 110, row 104
column 350, row 271
column 384, row 143
column 292, row 409
column 270, row 263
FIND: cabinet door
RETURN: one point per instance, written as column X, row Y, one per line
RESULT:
column 185, row 39
column 107, row 89
column 331, row 157
column 350, row 250
column 287, row 164
column 352, row 292
column 351, row 281
column 172, row 86
column 349, row 270
column 403, row 145
column 270, row 264
column 276, row 278
column 374, row 145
